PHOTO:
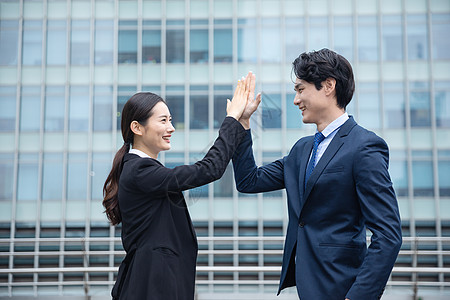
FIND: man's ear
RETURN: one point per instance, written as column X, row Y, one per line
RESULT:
column 136, row 128
column 330, row 86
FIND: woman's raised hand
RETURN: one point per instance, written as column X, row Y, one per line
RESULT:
column 237, row 105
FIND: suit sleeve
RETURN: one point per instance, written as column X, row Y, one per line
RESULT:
column 252, row 179
column 152, row 177
column 380, row 210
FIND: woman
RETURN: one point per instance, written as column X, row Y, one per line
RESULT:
column 157, row 232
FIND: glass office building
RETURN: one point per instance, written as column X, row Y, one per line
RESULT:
column 68, row 66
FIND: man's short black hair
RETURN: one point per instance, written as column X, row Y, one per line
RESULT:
column 316, row 66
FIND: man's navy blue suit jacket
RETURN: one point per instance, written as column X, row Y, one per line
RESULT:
column 350, row 190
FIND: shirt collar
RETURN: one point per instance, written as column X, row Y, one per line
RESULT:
column 139, row 153
column 335, row 124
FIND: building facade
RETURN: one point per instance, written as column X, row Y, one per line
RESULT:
column 68, row 66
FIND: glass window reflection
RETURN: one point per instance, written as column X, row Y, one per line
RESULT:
column 417, row 37
column 80, row 38
column 199, row 109
column 367, row 38
column 77, row 172
column 270, row 47
column 271, row 110
column 223, row 45
column 9, row 42
column 392, row 38
column 442, row 102
column 8, row 108
column 420, row 104
column 30, row 107
column 79, row 108
column 394, row 105
column 55, row 104
column 444, row 173
column 221, row 94
column 318, row 34
column 440, row 29
column 52, row 177
column 369, row 105
column 32, row 43
column 27, row 182
column 6, row 176
column 127, row 47
column 175, row 41
column 343, row 36
column 151, row 46
column 103, row 100
column 423, row 178
column 56, row 42
column 246, row 40
column 104, row 42
column 175, row 102
column 199, row 45
column 101, row 165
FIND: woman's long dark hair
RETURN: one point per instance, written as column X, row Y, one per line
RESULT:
column 138, row 108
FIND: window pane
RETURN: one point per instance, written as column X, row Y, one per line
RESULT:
column 30, row 106
column 399, row 174
column 176, row 107
column 103, row 100
column 101, row 166
column 392, row 38
column 54, row 108
column 104, row 42
column 417, row 37
column 367, row 38
column 369, row 105
column 56, row 42
column 420, row 104
column 221, row 94
column 127, row 46
column 294, row 38
column 270, row 49
column 7, row 108
column 271, row 111
column 318, row 35
column 223, row 45
column 441, row 28
column 343, row 36
column 423, row 178
column 52, row 177
column 9, row 41
column 80, row 43
column 79, row 108
column 394, row 105
column 224, row 186
column 151, row 46
column 199, row 111
column 175, row 46
column 27, row 185
column 77, row 176
column 293, row 114
column 199, row 46
column 6, row 176
column 444, row 178
column 32, row 43
column 247, row 50
column 442, row 101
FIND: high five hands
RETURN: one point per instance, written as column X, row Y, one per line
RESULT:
column 244, row 104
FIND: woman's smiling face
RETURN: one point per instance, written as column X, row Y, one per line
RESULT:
column 156, row 133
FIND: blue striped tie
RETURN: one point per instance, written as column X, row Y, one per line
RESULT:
column 318, row 138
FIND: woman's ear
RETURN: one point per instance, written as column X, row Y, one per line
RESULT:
column 136, row 128
column 330, row 86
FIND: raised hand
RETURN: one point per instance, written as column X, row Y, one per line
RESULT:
column 236, row 106
column 252, row 103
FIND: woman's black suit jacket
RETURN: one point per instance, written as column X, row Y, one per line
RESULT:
column 157, row 231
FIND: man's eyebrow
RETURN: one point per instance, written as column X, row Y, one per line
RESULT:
column 298, row 85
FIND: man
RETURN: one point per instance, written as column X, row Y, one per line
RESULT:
column 337, row 185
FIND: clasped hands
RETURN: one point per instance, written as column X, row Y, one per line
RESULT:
column 244, row 103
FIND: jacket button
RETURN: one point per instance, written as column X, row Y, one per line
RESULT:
column 302, row 224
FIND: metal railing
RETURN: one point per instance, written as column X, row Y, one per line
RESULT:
column 422, row 262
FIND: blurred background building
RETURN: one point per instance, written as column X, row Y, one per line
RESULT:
column 68, row 66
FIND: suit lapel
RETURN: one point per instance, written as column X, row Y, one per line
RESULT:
column 329, row 153
column 304, row 158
